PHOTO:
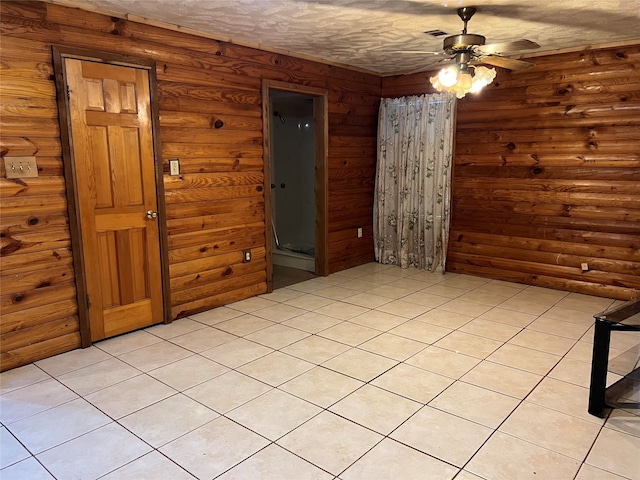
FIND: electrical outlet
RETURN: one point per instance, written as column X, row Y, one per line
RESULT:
column 246, row 256
column 359, row 232
column 20, row 167
column 174, row 166
column 584, row 266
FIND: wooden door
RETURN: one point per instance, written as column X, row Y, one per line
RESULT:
column 113, row 158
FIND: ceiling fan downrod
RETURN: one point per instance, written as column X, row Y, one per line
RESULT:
column 465, row 14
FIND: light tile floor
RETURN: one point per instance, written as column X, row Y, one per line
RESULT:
column 371, row 373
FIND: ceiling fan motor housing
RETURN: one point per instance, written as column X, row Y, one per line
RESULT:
column 464, row 41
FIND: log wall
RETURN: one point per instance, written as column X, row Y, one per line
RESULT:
column 547, row 173
column 215, row 208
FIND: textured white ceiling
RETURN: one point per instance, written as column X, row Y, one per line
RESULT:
column 368, row 34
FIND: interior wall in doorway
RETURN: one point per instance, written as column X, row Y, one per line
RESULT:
column 293, row 171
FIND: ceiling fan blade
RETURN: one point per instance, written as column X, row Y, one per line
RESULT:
column 504, row 62
column 429, row 52
column 515, row 46
column 432, row 66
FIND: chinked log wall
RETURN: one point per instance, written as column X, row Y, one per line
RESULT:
column 215, row 208
column 547, row 173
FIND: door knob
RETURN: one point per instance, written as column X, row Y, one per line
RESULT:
column 151, row 214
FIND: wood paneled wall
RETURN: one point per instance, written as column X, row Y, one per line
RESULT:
column 547, row 173
column 215, row 208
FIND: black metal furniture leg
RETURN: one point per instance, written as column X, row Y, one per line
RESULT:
column 599, row 364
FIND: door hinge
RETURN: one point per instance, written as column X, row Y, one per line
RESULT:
column 68, row 93
column 88, row 302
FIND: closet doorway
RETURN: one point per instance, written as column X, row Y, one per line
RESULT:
column 295, row 146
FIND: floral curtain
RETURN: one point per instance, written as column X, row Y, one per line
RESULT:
column 413, row 181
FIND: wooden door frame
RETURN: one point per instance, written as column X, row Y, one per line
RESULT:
column 60, row 53
column 321, row 147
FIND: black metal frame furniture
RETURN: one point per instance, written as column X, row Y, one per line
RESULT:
column 625, row 317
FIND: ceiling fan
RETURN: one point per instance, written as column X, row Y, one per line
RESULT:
column 468, row 47
column 469, row 50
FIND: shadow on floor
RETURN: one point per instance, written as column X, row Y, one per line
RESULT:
column 285, row 276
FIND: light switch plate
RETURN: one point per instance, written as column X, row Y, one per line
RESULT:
column 174, row 166
column 20, row 167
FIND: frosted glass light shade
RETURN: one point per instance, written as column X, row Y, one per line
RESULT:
column 460, row 82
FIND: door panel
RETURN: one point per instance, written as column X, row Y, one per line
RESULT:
column 112, row 143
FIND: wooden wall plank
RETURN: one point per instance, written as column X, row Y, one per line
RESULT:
column 210, row 112
column 547, row 173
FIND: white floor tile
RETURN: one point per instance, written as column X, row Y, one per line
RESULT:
column 176, row 328
column 275, row 463
column 238, row 389
column 553, row 430
column 463, row 400
column 279, row 312
column 237, row 352
column 35, row 398
column 321, row 386
column 73, row 360
column 188, row 372
column 94, row 454
column 308, row 301
column 444, row 362
column 403, row 308
column 506, row 356
column 64, row 422
column 420, row 331
column 330, row 442
column 467, row 344
column 616, row 452
column 100, row 375
column 21, row 377
column 379, row 320
column 413, row 382
column 533, row 361
column 126, row 343
column 152, row 466
column 216, row 315
column 155, row 356
column 277, row 336
column 26, row 469
column 202, row 339
column 180, row 415
column 441, row 435
column 214, row 448
column 505, row 457
column 393, row 346
column 243, row 325
column 12, row 450
column 501, row 379
column 312, row 322
column 275, row 368
column 390, row 459
column 356, row 363
column 131, row 395
column 273, row 414
column 375, row 408
column 349, row 333
column 341, row 310
column 315, row 349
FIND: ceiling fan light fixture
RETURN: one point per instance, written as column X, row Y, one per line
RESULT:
column 448, row 77
column 482, row 77
column 459, row 81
